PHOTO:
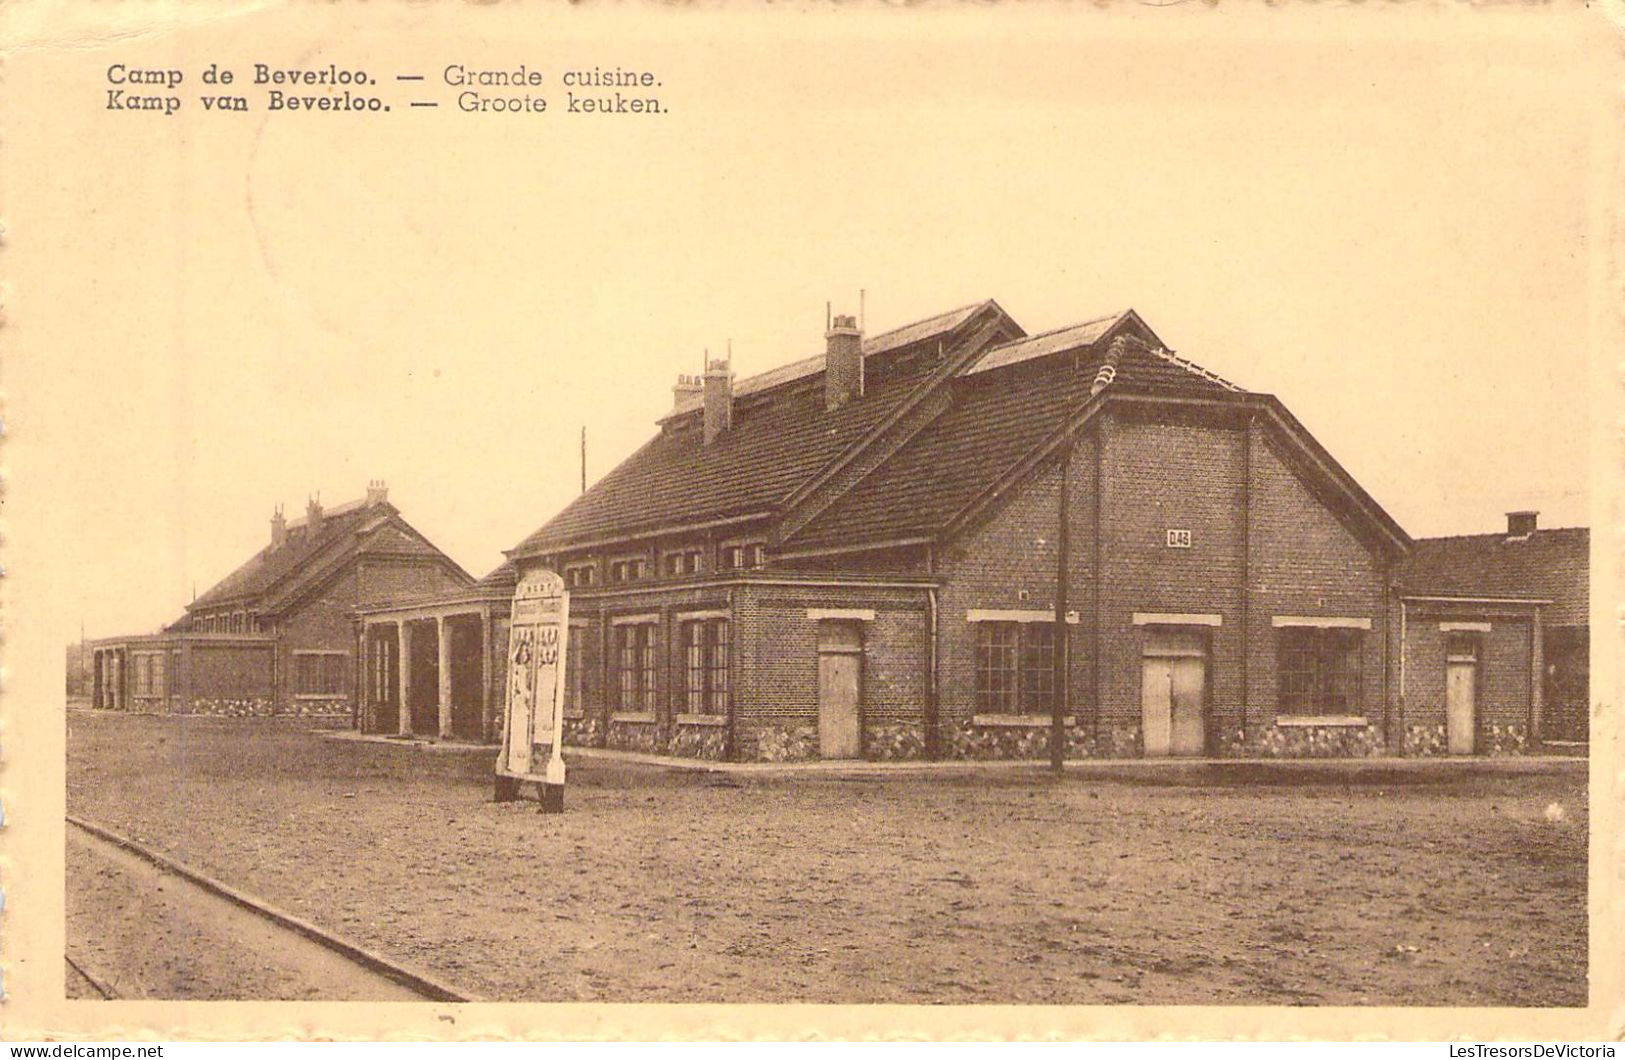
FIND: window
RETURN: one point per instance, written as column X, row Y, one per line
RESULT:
column 996, row 667
column 626, row 570
column 635, row 666
column 1319, row 671
column 1037, row 667
column 706, row 643
column 579, row 577
column 1015, row 667
column 574, row 671
column 318, row 673
column 681, row 563
column 743, row 557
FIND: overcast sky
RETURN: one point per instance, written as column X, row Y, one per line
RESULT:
column 1384, row 221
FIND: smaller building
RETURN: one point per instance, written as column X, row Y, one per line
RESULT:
column 277, row 635
column 1497, row 639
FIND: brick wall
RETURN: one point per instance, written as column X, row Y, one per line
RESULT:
column 1306, row 561
column 1501, row 680
column 1156, row 476
column 230, row 679
column 1009, row 563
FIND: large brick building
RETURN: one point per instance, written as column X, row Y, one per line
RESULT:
column 277, row 635
column 858, row 555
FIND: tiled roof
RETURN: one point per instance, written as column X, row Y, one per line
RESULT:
column 1033, row 346
column 273, row 572
column 997, row 417
column 773, row 445
column 885, row 342
column 1549, row 565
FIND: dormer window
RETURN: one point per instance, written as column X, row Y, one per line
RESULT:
column 678, row 564
column 744, row 557
column 626, row 570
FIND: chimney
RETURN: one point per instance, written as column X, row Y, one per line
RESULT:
column 719, row 398
column 843, row 362
column 1521, row 524
column 377, row 493
column 279, row 528
column 687, row 389
column 313, row 516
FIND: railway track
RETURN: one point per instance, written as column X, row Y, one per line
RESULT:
column 311, row 953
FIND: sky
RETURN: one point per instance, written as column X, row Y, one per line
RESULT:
column 1388, row 220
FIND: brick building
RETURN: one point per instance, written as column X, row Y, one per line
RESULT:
column 277, row 635
column 1503, row 621
column 858, row 555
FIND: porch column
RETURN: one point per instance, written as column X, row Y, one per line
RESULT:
column 358, row 683
column 485, row 676
column 118, row 680
column 404, row 675
column 95, row 680
column 443, row 642
column 183, row 680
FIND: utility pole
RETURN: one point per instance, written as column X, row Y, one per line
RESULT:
column 1062, row 682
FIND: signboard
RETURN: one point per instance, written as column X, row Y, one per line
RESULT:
column 537, row 636
column 1179, row 539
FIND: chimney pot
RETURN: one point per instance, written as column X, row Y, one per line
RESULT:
column 843, row 361
column 1521, row 524
column 687, row 389
column 718, row 390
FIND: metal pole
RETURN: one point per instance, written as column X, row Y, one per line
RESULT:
column 583, row 458
column 1062, row 680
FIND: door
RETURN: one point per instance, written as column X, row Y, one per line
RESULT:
column 1173, row 692
column 1460, row 681
column 840, row 658
column 383, row 678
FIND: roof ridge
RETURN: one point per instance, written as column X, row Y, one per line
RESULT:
column 1503, row 535
column 1056, row 331
column 1195, row 369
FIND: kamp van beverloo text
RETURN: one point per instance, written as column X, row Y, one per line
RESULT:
column 342, row 90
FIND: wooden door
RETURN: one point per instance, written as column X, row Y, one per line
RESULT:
column 383, row 681
column 1188, row 735
column 1156, row 705
column 1460, row 720
column 840, row 692
column 1173, row 693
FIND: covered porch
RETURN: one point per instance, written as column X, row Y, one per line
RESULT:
column 434, row 668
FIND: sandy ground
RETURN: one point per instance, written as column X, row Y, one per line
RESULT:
column 1247, row 888
column 212, row 948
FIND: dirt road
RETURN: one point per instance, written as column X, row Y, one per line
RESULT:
column 207, row 948
column 1244, row 888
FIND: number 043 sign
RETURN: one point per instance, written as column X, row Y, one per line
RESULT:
column 537, row 642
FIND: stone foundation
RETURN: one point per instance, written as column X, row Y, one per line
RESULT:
column 1301, row 741
column 784, row 743
column 894, row 742
column 1503, row 741
column 1495, row 741
column 584, row 732
column 709, row 742
column 967, row 740
column 1423, row 740
column 245, row 707
column 643, row 736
